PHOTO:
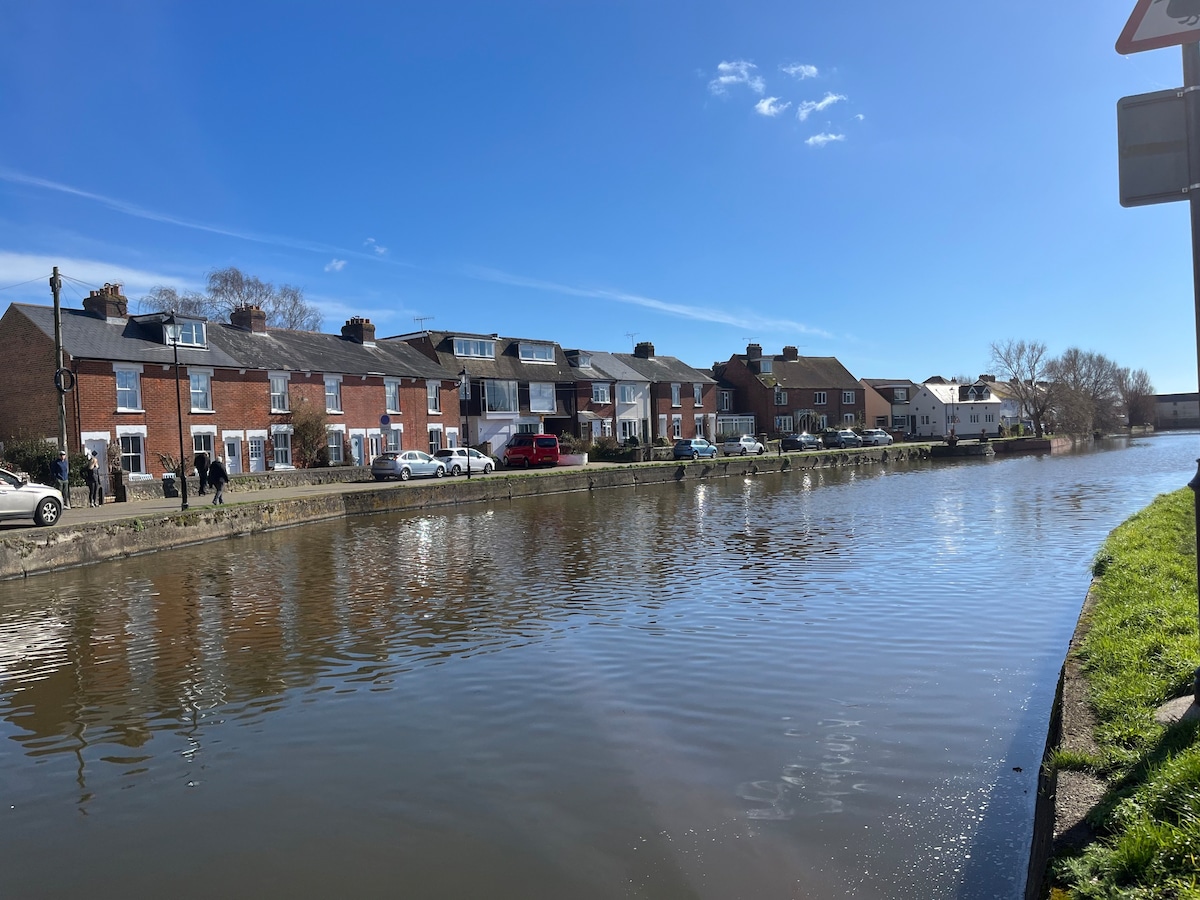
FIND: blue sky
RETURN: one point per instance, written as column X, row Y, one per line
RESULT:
column 894, row 184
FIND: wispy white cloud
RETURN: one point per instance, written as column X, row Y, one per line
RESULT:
column 141, row 212
column 16, row 268
column 799, row 70
column 680, row 310
column 738, row 72
column 820, row 140
column 770, row 106
column 859, row 116
column 808, row 107
column 374, row 245
column 335, row 265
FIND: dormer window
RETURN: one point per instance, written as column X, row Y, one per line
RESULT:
column 582, row 360
column 530, row 352
column 190, row 334
column 764, row 366
column 476, row 349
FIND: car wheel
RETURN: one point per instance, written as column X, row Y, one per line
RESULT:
column 487, row 468
column 380, row 477
column 526, row 462
column 695, row 455
column 440, row 473
column 456, row 469
column 404, row 474
column 743, row 451
column 762, row 450
column 47, row 512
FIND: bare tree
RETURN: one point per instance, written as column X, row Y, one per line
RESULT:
column 1023, row 364
column 1087, row 388
column 1137, row 393
column 229, row 289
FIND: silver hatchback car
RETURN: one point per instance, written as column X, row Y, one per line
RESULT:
column 20, row 499
column 405, row 464
column 455, row 459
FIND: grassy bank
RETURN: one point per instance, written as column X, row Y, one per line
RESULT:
column 1139, row 651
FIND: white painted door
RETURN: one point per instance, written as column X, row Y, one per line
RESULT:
column 233, row 456
column 258, row 454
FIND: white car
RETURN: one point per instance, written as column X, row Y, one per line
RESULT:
column 21, row 500
column 876, row 437
column 740, row 446
column 455, row 460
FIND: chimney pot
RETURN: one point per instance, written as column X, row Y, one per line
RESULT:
column 107, row 303
column 249, row 318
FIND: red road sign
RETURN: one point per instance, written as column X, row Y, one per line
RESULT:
column 1160, row 23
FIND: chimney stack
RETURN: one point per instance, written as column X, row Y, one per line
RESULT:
column 249, row 318
column 791, row 354
column 754, row 351
column 644, row 350
column 359, row 330
column 108, row 303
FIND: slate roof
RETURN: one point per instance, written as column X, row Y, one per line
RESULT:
column 807, row 372
column 506, row 365
column 604, row 367
column 139, row 340
column 663, row 369
column 890, row 382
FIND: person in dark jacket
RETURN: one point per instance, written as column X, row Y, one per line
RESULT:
column 218, row 477
column 61, row 470
column 201, row 464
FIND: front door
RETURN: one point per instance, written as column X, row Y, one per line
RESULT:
column 258, row 454
column 233, row 456
column 356, row 448
column 100, row 447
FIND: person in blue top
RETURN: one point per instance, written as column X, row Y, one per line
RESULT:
column 61, row 470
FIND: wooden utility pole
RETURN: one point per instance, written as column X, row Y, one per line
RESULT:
column 55, row 288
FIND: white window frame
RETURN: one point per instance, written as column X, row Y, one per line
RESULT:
column 334, row 447
column 848, row 396
column 820, row 398
column 627, row 393
column 533, row 352
column 333, row 388
column 780, row 397
column 764, row 366
column 493, row 393
column 676, row 390
column 275, row 380
column 474, row 348
column 391, row 395
column 724, row 401
column 546, row 402
column 204, row 377
column 433, row 396
column 848, row 418
column 784, row 425
column 136, row 372
column 698, row 426
column 677, row 427
column 601, row 392
column 191, row 334
column 135, row 435
column 282, row 455
column 901, row 394
column 697, row 395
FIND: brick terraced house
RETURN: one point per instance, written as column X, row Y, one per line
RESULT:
column 240, row 382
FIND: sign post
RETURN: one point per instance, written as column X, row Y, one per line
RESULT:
column 1165, row 23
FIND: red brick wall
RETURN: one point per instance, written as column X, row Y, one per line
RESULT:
column 29, row 400
column 660, row 404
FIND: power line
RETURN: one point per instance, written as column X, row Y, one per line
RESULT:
column 23, row 283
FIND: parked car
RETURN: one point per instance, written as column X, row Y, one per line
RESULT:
column 740, row 446
column 694, row 448
column 875, row 437
column 802, row 441
column 531, row 450
column 20, row 499
column 455, row 460
column 405, row 464
column 840, row 438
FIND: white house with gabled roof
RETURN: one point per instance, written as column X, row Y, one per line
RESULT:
column 943, row 407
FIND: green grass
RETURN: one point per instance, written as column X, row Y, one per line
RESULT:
column 1141, row 650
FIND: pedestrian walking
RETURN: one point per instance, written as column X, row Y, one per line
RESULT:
column 91, row 477
column 218, row 477
column 201, row 464
column 61, row 470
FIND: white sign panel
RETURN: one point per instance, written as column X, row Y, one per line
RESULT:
column 1160, row 23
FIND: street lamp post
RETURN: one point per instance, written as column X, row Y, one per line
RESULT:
column 464, row 387
column 174, row 330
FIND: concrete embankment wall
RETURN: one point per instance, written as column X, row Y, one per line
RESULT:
column 37, row 550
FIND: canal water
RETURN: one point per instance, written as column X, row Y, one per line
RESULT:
column 824, row 684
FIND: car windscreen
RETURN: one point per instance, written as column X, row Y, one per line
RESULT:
column 547, row 442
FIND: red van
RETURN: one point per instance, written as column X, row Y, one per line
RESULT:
column 531, row 450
